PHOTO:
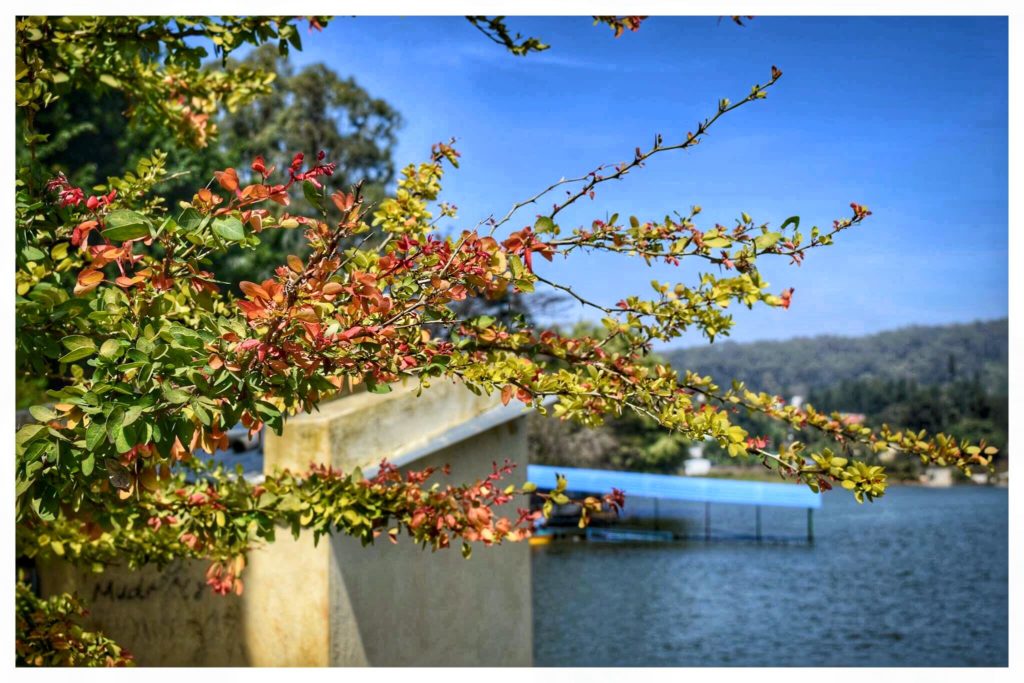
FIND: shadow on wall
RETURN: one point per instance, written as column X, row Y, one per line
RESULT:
column 401, row 605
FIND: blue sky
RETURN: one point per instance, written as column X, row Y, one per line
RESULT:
column 905, row 115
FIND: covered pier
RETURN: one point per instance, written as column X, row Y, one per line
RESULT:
column 704, row 490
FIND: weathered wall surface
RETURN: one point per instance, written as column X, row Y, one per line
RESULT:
column 400, row 605
column 361, row 429
column 172, row 618
column 165, row 618
column 341, row 604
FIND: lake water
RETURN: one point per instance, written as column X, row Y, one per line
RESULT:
column 918, row 578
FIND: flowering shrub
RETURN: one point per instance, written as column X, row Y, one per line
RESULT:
column 161, row 362
column 153, row 360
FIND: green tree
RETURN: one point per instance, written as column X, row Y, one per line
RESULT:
column 311, row 110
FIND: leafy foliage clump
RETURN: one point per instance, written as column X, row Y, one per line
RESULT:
column 49, row 633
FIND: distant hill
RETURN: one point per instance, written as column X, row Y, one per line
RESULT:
column 929, row 355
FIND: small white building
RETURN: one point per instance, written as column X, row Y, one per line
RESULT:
column 937, row 477
column 696, row 465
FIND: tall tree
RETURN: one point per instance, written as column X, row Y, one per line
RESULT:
column 315, row 109
column 310, row 110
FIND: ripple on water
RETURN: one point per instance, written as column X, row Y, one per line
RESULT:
column 916, row 579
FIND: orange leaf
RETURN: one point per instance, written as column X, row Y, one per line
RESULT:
column 228, row 179
column 306, row 313
column 124, row 281
column 253, row 290
column 88, row 280
column 343, row 201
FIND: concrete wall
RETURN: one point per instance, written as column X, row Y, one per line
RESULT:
column 164, row 618
column 170, row 617
column 340, row 604
column 400, row 605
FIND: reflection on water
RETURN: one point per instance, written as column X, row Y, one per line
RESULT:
column 918, row 578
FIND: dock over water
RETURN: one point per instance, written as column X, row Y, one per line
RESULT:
column 670, row 487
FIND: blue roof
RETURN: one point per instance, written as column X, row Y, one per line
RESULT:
column 672, row 487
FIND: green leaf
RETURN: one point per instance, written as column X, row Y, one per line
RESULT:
column 88, row 464
column 28, row 433
column 32, row 253
column 123, row 225
column 190, row 220
column 114, row 423
column 267, row 410
column 42, row 413
column 94, row 434
column 229, row 228
column 201, row 413
column 146, row 346
column 374, row 388
column 110, row 349
column 79, row 347
column 109, row 80
column 795, row 220
column 124, row 439
column 312, row 195
column 46, row 505
column 77, row 341
column 544, row 224
column 184, row 429
column 176, row 396
column 767, row 240
column 132, row 414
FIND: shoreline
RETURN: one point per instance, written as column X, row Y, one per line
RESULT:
column 759, row 474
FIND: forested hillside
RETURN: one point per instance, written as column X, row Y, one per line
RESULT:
column 932, row 355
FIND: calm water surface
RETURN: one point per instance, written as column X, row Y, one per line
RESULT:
column 918, row 578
